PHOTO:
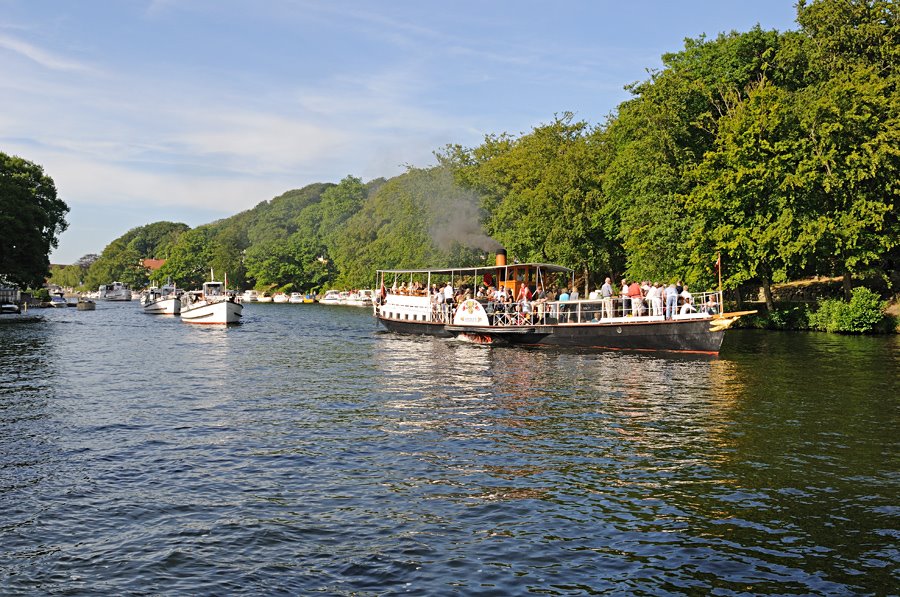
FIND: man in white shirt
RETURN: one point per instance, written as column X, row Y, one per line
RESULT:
column 606, row 294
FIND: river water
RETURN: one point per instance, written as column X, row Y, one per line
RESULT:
column 305, row 451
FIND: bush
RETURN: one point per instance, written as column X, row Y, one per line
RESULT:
column 862, row 315
column 795, row 317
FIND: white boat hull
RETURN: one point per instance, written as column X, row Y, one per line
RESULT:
column 165, row 306
column 212, row 312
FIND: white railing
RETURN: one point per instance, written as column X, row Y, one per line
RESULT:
column 613, row 310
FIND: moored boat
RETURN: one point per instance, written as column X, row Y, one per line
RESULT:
column 264, row 298
column 84, row 304
column 250, row 296
column 58, row 300
column 296, row 298
column 117, row 291
column 360, row 298
column 332, row 297
column 162, row 301
column 280, row 297
column 211, row 305
column 535, row 319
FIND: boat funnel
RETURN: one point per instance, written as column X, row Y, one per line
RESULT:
column 501, row 257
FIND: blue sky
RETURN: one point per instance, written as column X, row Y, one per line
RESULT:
column 193, row 110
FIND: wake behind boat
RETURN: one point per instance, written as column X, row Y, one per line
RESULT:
column 419, row 306
column 213, row 305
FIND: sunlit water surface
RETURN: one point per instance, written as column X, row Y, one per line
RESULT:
column 306, row 451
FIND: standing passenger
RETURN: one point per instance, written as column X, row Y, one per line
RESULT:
column 634, row 294
column 606, row 293
column 671, row 300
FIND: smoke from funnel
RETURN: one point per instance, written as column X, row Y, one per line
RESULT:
column 456, row 217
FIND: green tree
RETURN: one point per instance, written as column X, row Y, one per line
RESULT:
column 118, row 262
column 542, row 194
column 851, row 120
column 189, row 259
column 286, row 263
column 66, row 276
column 31, row 219
column 746, row 204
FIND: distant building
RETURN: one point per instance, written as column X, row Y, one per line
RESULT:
column 152, row 264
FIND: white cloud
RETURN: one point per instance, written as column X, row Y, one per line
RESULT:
column 42, row 57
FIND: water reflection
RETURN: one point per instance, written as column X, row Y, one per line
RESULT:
column 346, row 461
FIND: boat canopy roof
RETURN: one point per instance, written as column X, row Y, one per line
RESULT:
column 457, row 271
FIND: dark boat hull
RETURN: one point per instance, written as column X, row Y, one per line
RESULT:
column 692, row 335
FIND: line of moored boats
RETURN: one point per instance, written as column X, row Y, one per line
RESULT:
column 214, row 303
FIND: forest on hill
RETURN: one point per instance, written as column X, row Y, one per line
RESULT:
column 778, row 150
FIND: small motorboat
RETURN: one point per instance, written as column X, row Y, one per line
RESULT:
column 85, row 305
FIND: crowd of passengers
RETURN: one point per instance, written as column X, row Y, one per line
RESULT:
column 629, row 299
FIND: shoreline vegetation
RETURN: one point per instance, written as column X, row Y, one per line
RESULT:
column 772, row 154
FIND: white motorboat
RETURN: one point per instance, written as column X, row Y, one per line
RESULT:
column 162, row 301
column 296, row 298
column 280, row 298
column 211, row 305
column 264, row 298
column 360, row 298
column 250, row 296
column 117, row 291
column 58, row 300
column 332, row 297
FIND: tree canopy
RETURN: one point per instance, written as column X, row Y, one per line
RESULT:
column 777, row 150
column 31, row 219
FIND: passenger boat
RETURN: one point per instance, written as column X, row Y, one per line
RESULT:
column 578, row 323
column 162, row 301
column 117, row 291
column 213, row 304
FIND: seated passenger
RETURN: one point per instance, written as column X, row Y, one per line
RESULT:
column 711, row 307
column 687, row 307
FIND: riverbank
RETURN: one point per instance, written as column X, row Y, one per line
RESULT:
column 788, row 316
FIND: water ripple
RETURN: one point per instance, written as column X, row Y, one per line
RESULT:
column 305, row 451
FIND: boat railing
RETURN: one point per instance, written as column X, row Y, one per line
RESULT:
column 543, row 312
column 610, row 310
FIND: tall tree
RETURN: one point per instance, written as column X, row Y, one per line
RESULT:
column 31, row 219
column 851, row 117
column 188, row 262
column 542, row 193
column 746, row 203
